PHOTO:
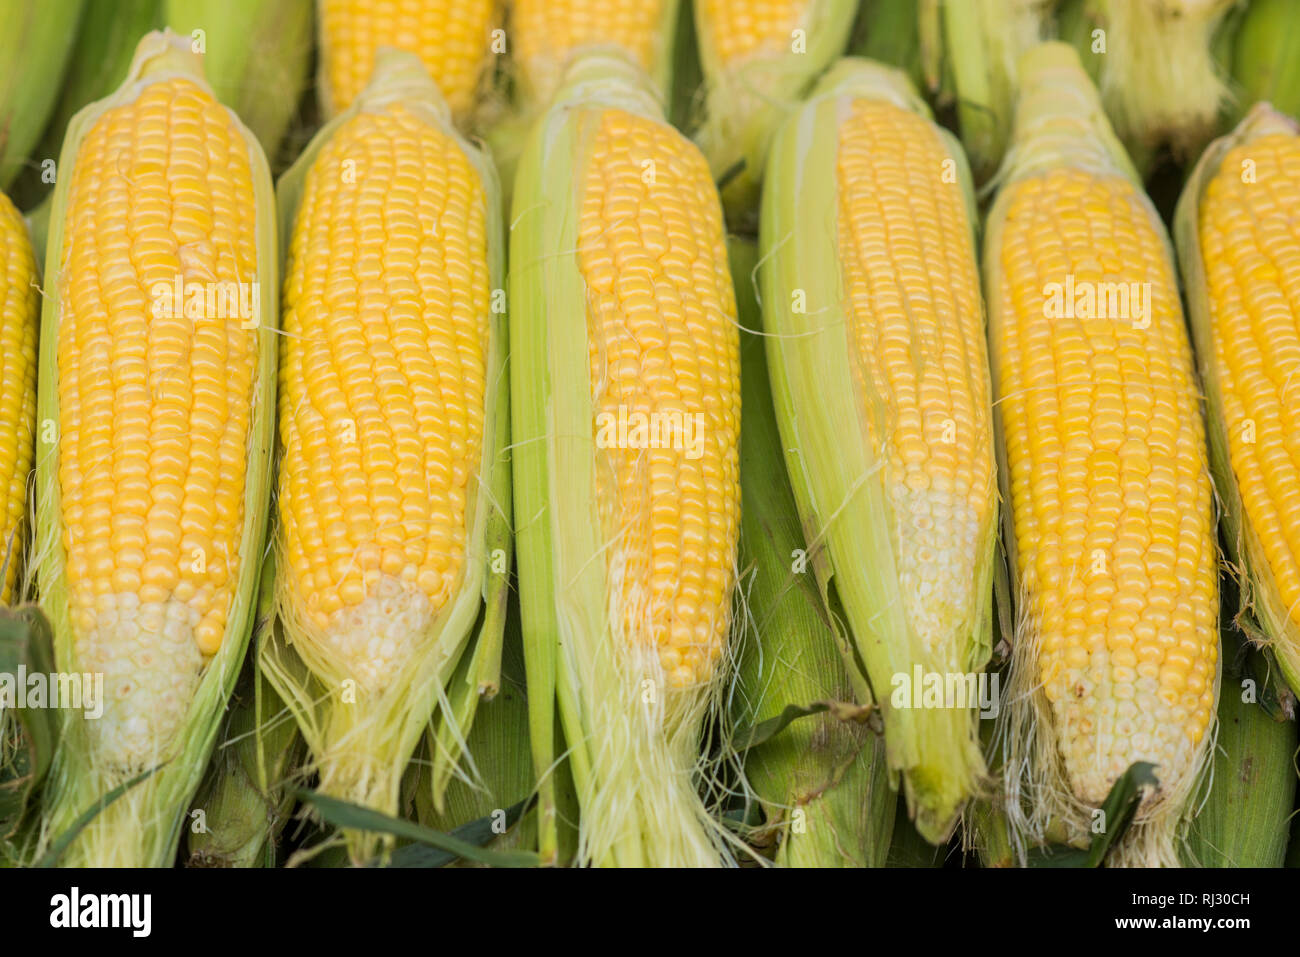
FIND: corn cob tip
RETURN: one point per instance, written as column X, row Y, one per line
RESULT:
column 1059, row 119
column 858, row 76
column 161, row 52
column 401, row 76
column 608, row 77
column 1263, row 119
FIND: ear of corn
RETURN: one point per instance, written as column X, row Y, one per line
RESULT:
column 1266, row 56
column 20, row 755
column 758, row 58
column 1116, row 649
column 20, row 297
column 969, row 54
column 157, row 382
column 623, row 311
column 35, row 40
column 1238, row 239
column 256, row 53
column 393, row 505
column 823, row 781
column 451, row 38
column 880, row 378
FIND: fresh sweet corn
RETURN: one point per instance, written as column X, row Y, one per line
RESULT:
column 390, row 527
column 758, row 58
column 1116, row 653
column 626, row 394
column 19, row 307
column 1238, row 232
column 451, row 37
column 157, row 368
column 881, row 383
column 548, row 34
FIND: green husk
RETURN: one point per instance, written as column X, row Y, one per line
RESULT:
column 499, row 772
column 1076, row 25
column 1155, row 68
column 143, row 826
column 1266, row 56
column 836, row 474
column 632, row 742
column 245, row 798
column 969, row 53
column 908, row 848
column 1262, row 613
column 987, row 826
column 1244, row 818
column 1060, row 123
column 889, row 31
column 823, row 782
column 745, row 101
column 28, row 735
column 361, row 746
column 35, row 41
column 105, row 45
column 257, row 54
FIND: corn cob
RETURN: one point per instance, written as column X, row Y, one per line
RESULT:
column 393, row 503
column 626, row 388
column 969, row 52
column 1238, row 240
column 157, row 366
column 758, row 58
column 19, row 308
column 823, row 781
column 1266, row 56
column 451, row 37
column 35, row 40
column 1116, row 652
column 888, row 345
